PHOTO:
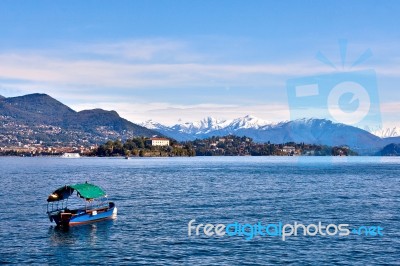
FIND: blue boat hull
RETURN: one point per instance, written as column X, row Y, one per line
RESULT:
column 79, row 217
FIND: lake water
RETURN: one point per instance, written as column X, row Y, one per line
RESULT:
column 157, row 197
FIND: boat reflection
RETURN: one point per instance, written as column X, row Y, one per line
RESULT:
column 88, row 234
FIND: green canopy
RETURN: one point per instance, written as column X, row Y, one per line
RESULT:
column 84, row 190
column 89, row 191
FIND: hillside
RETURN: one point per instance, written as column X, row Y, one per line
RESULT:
column 243, row 146
column 390, row 150
column 36, row 118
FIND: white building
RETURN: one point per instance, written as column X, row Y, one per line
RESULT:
column 158, row 142
column 288, row 149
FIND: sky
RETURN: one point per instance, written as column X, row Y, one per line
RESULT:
column 180, row 61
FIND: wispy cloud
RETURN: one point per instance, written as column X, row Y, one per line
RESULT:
column 105, row 73
column 144, row 51
column 88, row 76
column 171, row 114
column 138, row 64
column 157, row 63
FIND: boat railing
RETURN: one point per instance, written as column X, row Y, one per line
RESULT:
column 96, row 204
column 92, row 205
column 57, row 206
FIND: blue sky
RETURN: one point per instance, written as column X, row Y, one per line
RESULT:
column 176, row 61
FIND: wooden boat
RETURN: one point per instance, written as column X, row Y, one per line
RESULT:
column 96, row 207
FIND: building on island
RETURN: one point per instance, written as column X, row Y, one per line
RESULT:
column 158, row 142
column 288, row 149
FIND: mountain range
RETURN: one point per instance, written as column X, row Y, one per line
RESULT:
column 36, row 118
column 39, row 118
column 311, row 131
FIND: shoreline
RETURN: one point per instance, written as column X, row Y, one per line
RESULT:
column 200, row 156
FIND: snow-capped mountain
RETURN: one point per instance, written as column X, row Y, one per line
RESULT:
column 150, row 124
column 210, row 124
column 387, row 132
column 248, row 122
column 316, row 131
column 206, row 127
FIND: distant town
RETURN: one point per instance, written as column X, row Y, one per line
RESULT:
column 20, row 139
column 164, row 147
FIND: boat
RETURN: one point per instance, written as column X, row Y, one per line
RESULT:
column 70, row 155
column 96, row 207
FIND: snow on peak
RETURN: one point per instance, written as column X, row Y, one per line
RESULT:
column 205, row 125
column 248, row 121
column 386, row 132
column 209, row 124
column 150, row 124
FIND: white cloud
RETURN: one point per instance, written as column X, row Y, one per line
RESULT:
column 390, row 114
column 170, row 114
column 138, row 64
column 144, row 50
column 91, row 73
column 155, row 63
column 135, row 49
column 102, row 73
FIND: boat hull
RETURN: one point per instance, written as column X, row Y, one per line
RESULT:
column 70, row 218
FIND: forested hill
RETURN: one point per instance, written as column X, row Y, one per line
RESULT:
column 39, row 118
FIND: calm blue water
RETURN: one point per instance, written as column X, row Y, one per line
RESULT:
column 157, row 198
